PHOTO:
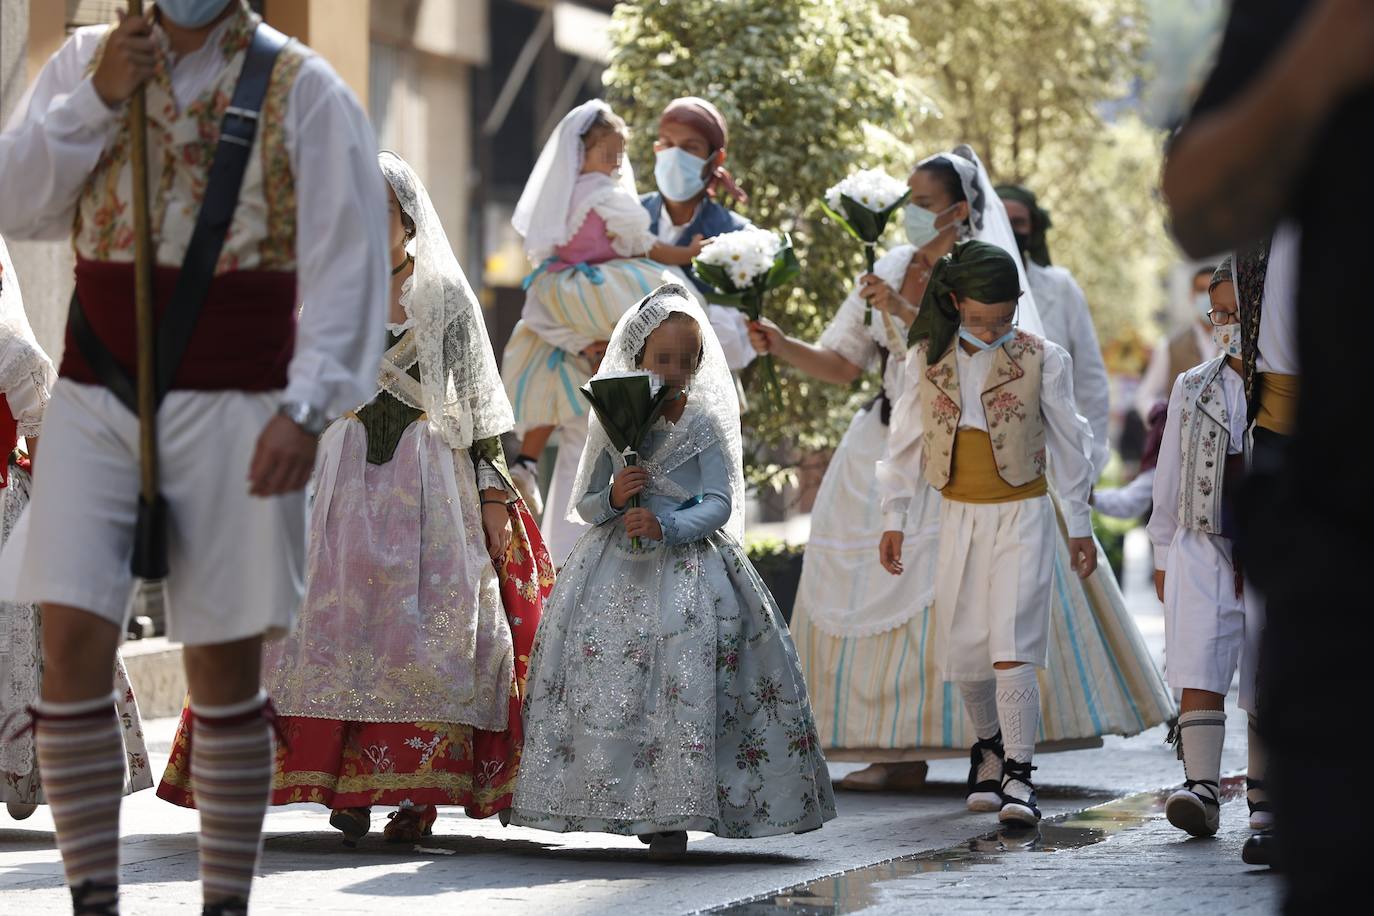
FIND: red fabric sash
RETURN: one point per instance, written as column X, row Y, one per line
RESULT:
column 9, row 438
column 242, row 342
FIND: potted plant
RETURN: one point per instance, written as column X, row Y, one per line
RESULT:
column 779, row 565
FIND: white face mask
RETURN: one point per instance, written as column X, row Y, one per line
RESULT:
column 1227, row 338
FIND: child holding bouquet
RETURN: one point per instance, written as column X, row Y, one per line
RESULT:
column 664, row 690
column 589, row 238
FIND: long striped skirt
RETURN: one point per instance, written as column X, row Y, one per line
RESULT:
column 882, row 697
column 541, row 380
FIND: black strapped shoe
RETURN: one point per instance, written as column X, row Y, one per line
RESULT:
column 1016, row 811
column 106, row 904
column 230, row 906
column 1259, row 849
column 1195, row 808
column 1261, row 814
column 984, row 794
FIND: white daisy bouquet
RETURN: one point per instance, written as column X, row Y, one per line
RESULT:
column 743, row 266
column 862, row 204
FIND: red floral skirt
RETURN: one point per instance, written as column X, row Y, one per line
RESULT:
column 359, row 764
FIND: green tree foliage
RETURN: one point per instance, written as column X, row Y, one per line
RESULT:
column 1042, row 89
column 809, row 90
column 813, row 89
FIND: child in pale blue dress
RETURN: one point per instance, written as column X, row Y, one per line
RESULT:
column 664, row 691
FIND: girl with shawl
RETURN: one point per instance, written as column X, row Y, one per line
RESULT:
column 866, row 638
column 401, row 684
column 26, row 376
column 664, row 692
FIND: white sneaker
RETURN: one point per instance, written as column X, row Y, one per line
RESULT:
column 1197, row 813
column 526, row 480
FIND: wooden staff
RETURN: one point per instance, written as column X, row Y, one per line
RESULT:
column 143, row 289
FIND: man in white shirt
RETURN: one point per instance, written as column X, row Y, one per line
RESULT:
column 243, row 409
column 1064, row 312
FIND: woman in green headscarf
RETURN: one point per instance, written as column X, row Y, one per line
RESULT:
column 1063, row 311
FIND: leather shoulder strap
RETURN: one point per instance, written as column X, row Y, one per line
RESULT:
column 237, row 131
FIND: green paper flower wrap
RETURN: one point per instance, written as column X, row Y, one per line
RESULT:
column 627, row 405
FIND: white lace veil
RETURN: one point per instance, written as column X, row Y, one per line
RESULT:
column 20, row 353
column 542, row 215
column 712, row 413
column 460, row 387
column 989, row 223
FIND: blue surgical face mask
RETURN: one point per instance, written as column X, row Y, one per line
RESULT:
column 966, row 334
column 191, row 14
column 920, row 224
column 679, row 174
column 1202, row 304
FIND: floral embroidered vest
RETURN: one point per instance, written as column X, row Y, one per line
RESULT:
column 1011, row 401
column 245, row 336
column 1205, row 437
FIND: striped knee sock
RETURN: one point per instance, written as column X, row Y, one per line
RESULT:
column 231, row 776
column 81, row 761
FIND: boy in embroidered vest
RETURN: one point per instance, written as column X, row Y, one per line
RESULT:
column 239, row 423
column 1210, row 622
column 985, row 418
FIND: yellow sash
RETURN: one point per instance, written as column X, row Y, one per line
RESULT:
column 1278, row 402
column 973, row 476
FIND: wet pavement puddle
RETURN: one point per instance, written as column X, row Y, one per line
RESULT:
column 852, row 891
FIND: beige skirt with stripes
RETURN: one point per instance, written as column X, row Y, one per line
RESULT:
column 882, row 697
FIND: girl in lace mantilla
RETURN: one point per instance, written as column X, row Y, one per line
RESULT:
column 665, row 693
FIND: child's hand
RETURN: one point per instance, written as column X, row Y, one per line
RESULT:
column 1159, row 585
column 697, row 243
column 595, row 353
column 641, row 523
column 1083, row 556
column 890, row 551
column 764, row 336
column 628, row 482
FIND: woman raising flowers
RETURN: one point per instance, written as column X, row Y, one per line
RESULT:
column 864, row 637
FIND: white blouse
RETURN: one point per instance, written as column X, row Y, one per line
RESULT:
column 1068, row 438
column 61, row 128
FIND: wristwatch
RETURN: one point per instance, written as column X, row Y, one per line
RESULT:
column 310, row 419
